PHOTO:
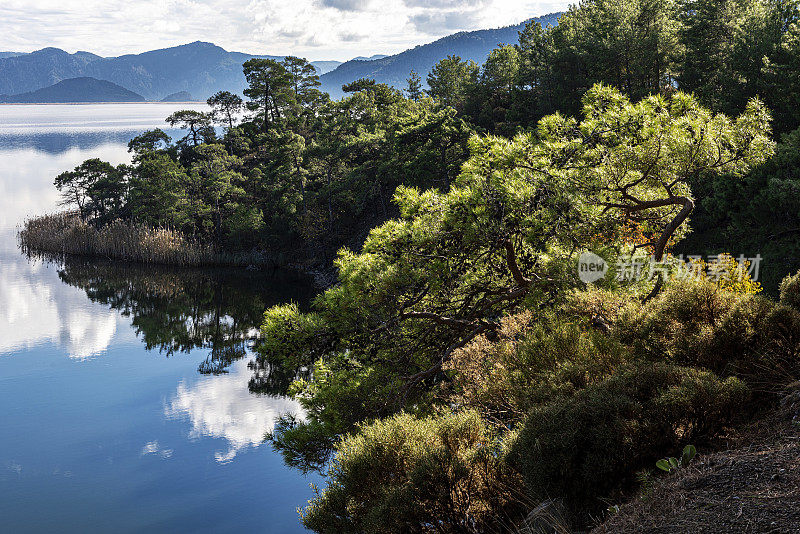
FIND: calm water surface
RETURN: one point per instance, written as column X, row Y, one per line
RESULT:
column 127, row 401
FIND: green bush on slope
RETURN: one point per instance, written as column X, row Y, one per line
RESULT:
column 406, row 474
column 581, row 410
column 790, row 291
column 697, row 324
column 584, row 448
column 534, row 361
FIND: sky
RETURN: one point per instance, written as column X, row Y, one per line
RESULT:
column 315, row 29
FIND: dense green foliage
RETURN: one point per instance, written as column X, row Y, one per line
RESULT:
column 760, row 213
column 584, row 446
column 507, row 234
column 469, row 300
column 697, row 325
column 435, row 474
column 726, row 52
column 582, row 409
column 303, row 175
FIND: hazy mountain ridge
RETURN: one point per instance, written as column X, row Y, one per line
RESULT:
column 198, row 68
column 43, row 68
column 180, row 96
column 370, row 58
column 201, row 68
column 82, row 89
column 324, row 67
column 394, row 70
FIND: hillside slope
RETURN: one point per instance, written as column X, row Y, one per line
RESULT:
column 394, row 70
column 82, row 89
column 754, row 486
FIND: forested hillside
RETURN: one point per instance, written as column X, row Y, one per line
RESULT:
column 76, row 90
column 393, row 70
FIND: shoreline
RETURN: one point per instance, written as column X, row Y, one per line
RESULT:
column 56, row 236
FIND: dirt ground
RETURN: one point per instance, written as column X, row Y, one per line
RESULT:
column 754, row 487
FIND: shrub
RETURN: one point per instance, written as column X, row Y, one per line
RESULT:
column 678, row 323
column 531, row 363
column 790, row 291
column 698, row 324
column 406, row 474
column 586, row 447
column 776, row 360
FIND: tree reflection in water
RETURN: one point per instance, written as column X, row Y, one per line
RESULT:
column 180, row 310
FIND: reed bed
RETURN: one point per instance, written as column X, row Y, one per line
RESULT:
column 67, row 233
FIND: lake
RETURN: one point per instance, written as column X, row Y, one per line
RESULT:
column 129, row 402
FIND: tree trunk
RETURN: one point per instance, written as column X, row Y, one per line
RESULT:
column 330, row 201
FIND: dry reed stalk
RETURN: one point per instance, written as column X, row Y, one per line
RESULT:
column 67, row 233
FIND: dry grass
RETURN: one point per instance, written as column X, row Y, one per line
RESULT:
column 549, row 517
column 66, row 233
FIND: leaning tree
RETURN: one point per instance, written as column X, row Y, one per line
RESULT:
column 506, row 234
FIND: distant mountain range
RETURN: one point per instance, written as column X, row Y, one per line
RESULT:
column 200, row 69
column 394, row 70
column 325, row 66
column 76, row 90
column 370, row 58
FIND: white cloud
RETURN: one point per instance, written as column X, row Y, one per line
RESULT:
column 222, row 407
column 448, row 4
column 347, row 5
column 443, row 21
column 318, row 29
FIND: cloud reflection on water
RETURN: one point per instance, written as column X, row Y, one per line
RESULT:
column 37, row 308
column 37, row 143
column 223, row 407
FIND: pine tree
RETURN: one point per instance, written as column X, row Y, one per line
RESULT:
column 414, row 89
